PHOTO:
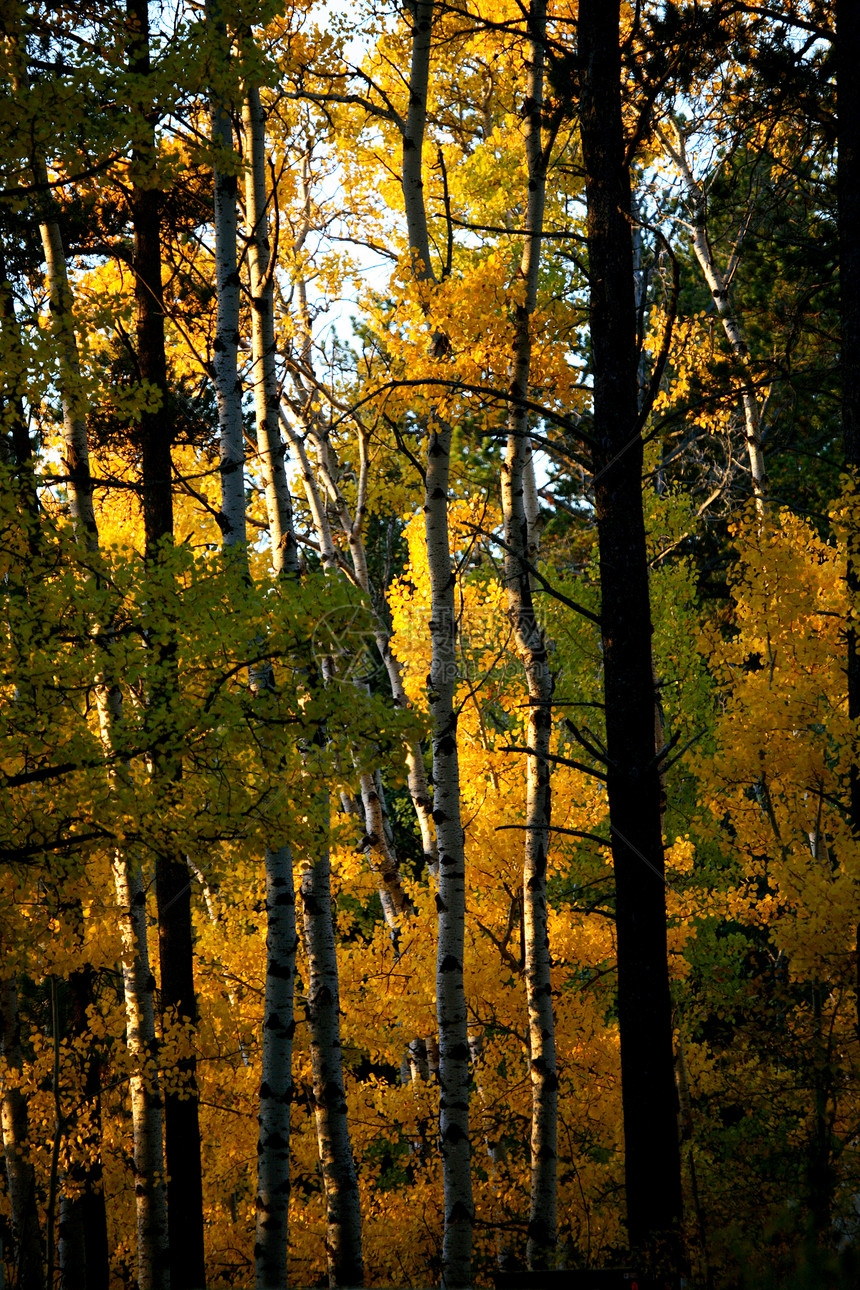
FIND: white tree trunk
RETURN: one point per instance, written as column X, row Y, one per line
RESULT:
column 276, row 1087
column 270, row 445
column 520, row 544
column 718, row 283
column 343, row 1212
column 271, row 1243
column 153, row 1262
column 451, row 1012
column 225, row 369
column 342, row 1199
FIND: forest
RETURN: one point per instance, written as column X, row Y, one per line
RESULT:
column 430, row 714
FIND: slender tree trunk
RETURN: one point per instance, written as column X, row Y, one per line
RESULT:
column 343, row 1213
column 520, row 547
column 225, row 357
column 375, row 843
column 153, row 1255
column 76, row 449
column 847, row 52
column 20, row 1178
column 172, row 888
column 352, row 528
column 271, row 1244
column 718, row 285
column 451, row 1011
column 652, row 1159
column 276, row 1086
column 343, row 1240
column 270, row 445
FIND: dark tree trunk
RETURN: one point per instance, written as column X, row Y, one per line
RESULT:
column 172, row 887
column 87, row 1212
column 847, row 51
column 652, row 1158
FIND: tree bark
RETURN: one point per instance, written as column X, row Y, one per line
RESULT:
column 652, row 1159
column 172, row 888
column 520, row 542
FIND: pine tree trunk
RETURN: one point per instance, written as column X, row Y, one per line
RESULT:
column 83, row 1243
column 652, row 1159
column 343, row 1213
column 20, row 1177
column 153, row 1272
column 847, row 52
column 172, row 888
column 520, row 549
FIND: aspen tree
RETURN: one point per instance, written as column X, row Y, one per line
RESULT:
column 652, row 1161
column 719, row 285
column 452, row 1017
column 261, row 269
column 305, row 410
column 271, row 1241
column 517, row 487
column 343, row 1213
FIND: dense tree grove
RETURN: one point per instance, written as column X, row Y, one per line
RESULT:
column 430, row 557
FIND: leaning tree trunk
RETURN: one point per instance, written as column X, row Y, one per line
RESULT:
column 718, row 285
column 172, row 888
column 652, row 1160
column 531, row 646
